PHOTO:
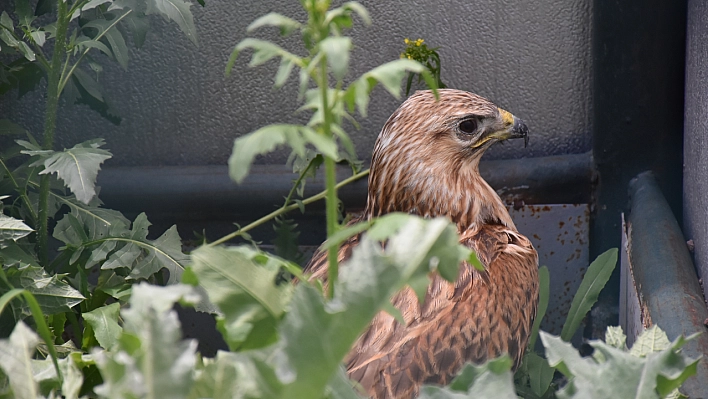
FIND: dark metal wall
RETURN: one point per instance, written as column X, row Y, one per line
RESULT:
column 638, row 55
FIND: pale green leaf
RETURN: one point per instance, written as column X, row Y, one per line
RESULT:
column 651, row 340
column 52, row 294
column 262, row 52
column 218, row 379
column 13, row 254
column 286, row 25
column 596, row 277
column 104, row 321
column 15, row 360
column 284, row 70
column 267, row 138
column 337, row 49
column 165, row 252
column 73, row 378
column 150, row 359
column 12, row 229
column 77, row 166
column 490, row 380
column 39, row 37
column 245, row 292
column 26, row 51
column 178, row 11
column 94, row 3
column 615, row 337
column 84, row 42
column 616, row 373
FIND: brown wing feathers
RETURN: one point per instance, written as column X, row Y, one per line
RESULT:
column 423, row 165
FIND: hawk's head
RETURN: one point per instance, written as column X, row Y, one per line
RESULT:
column 426, row 159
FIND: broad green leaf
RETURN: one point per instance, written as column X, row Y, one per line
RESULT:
column 77, row 166
column 52, row 294
column 15, row 360
column 26, row 51
column 543, row 296
column 7, row 127
column 177, row 11
column 618, row 374
column 341, row 387
column 490, row 380
column 104, row 321
column 244, row 291
column 138, row 24
column 218, row 379
column 286, row 25
column 73, row 378
column 337, row 49
column 649, row 341
column 596, row 277
column 12, row 229
column 118, row 46
column 150, row 360
column 267, row 138
column 540, row 373
column 39, row 37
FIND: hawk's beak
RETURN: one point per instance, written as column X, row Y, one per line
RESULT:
column 515, row 128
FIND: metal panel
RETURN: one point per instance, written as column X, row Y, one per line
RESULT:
column 560, row 234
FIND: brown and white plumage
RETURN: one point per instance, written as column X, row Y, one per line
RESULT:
column 426, row 162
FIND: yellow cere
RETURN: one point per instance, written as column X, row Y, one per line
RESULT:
column 507, row 117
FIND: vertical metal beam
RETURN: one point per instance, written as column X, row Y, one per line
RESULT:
column 638, row 56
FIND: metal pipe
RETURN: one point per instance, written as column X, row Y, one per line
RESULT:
column 205, row 192
column 664, row 275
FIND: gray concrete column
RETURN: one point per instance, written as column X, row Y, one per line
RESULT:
column 695, row 174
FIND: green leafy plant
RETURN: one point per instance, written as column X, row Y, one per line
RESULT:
column 113, row 334
column 417, row 50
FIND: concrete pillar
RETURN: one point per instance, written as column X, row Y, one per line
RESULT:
column 695, row 173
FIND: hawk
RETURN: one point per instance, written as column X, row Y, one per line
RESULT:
column 426, row 162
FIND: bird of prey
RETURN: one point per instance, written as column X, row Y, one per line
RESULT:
column 426, row 162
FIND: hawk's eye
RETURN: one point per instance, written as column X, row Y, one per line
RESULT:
column 468, row 126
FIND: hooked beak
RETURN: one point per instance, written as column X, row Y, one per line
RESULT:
column 515, row 128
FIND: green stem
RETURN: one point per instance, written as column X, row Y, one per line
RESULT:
column 50, row 122
column 286, row 209
column 330, row 182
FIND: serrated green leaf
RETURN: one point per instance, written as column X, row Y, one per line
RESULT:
column 651, row 340
column 615, row 337
column 77, row 166
column 245, row 292
column 490, row 380
column 150, row 350
column 618, row 373
column 286, row 25
column 104, row 321
column 52, row 294
column 596, row 277
column 262, row 52
column 12, row 254
column 15, row 360
column 165, row 252
column 390, row 75
column 84, row 42
column 12, row 229
column 337, row 49
column 267, row 138
column 178, row 11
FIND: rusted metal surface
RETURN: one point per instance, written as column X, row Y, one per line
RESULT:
column 560, row 234
column 668, row 289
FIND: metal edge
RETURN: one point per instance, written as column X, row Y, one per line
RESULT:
column 666, row 278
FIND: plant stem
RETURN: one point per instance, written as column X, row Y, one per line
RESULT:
column 332, row 201
column 286, row 209
column 50, row 122
column 21, row 191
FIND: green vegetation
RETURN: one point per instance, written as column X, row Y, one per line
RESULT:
column 96, row 319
